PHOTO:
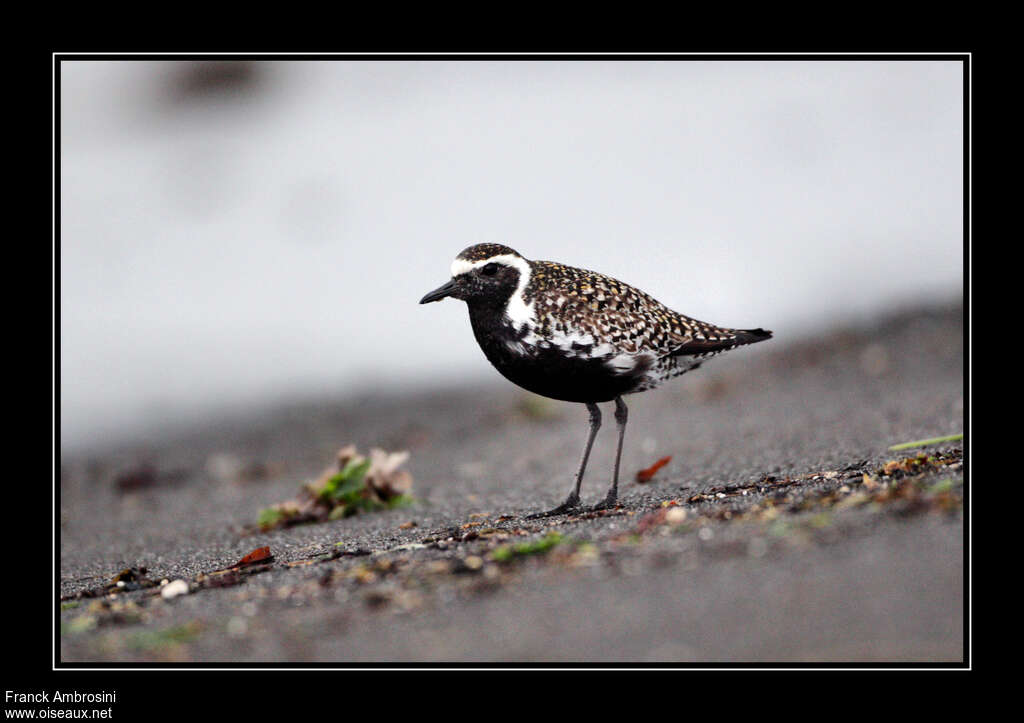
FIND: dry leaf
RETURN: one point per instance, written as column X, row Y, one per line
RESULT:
column 384, row 477
column 260, row 554
column 645, row 475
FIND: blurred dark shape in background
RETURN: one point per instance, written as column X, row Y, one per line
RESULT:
column 216, row 81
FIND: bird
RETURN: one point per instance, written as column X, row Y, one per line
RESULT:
column 578, row 336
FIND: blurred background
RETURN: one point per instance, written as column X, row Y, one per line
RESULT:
column 236, row 233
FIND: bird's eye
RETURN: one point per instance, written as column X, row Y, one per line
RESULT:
column 489, row 270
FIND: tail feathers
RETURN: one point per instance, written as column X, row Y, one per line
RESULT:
column 738, row 337
column 752, row 336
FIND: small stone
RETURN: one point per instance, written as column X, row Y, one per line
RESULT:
column 675, row 515
column 174, row 589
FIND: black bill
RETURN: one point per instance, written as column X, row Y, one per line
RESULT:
column 439, row 293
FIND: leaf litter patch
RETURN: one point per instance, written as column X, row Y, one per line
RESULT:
column 905, row 486
column 353, row 484
column 112, row 605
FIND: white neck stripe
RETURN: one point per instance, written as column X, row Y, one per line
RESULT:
column 517, row 310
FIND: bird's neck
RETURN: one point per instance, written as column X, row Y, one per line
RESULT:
column 488, row 316
column 492, row 327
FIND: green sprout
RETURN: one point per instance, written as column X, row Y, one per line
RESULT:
column 926, row 442
column 541, row 546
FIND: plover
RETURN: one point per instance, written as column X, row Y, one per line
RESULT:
column 578, row 336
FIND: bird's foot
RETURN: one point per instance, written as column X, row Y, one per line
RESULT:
column 608, row 503
column 571, row 504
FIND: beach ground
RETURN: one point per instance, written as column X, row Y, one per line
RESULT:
column 783, row 529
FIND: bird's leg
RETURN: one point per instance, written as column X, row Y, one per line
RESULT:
column 573, row 500
column 621, row 416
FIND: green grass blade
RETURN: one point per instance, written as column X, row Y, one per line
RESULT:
column 926, row 442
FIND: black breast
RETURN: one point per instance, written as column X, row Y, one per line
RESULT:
column 549, row 372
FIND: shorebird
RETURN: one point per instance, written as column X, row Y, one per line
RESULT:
column 578, row 336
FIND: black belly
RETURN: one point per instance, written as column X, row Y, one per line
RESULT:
column 551, row 372
column 571, row 379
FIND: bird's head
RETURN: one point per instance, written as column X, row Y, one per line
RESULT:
column 484, row 274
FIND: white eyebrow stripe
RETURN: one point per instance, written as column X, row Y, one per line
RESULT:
column 518, row 311
column 462, row 266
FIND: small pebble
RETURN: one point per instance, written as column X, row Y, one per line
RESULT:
column 173, row 589
column 675, row 515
